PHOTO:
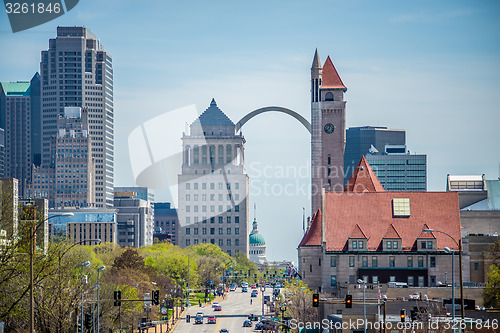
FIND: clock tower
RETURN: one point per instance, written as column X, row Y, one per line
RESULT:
column 328, row 130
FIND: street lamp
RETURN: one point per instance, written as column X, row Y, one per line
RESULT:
column 448, row 250
column 85, row 264
column 364, row 304
column 262, row 289
column 459, row 245
column 283, row 309
column 98, row 285
column 32, row 231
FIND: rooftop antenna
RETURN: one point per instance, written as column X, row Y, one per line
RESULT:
column 304, row 220
column 254, row 211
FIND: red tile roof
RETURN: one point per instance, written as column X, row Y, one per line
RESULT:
column 357, row 232
column 391, row 232
column 363, row 179
column 313, row 234
column 427, row 234
column 330, row 77
column 372, row 212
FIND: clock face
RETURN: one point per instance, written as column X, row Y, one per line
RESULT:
column 329, row 128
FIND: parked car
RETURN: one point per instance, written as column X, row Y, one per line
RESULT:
column 247, row 323
column 211, row 320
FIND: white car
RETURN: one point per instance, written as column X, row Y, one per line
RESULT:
column 214, row 304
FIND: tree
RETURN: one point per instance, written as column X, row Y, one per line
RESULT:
column 299, row 302
column 491, row 294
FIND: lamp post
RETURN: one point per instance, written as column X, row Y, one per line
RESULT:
column 459, row 245
column 85, row 264
column 262, row 289
column 364, row 304
column 98, row 285
column 283, row 309
column 448, row 250
column 32, row 232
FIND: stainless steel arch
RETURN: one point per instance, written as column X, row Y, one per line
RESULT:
column 289, row 112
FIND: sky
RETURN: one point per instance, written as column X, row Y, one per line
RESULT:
column 431, row 68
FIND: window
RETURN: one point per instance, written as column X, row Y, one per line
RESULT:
column 333, row 281
column 228, row 242
column 212, row 231
column 188, row 186
column 374, row 261
column 204, row 231
column 388, row 245
column 360, row 245
column 354, row 245
column 364, row 261
column 392, row 261
column 188, row 209
column 221, row 219
column 420, row 261
column 423, row 244
column 333, row 262
column 310, row 268
column 236, row 231
column 221, row 242
column 237, row 207
column 433, row 262
column 188, row 231
column 228, row 219
column 328, row 96
column 228, row 231
column 410, row 281
column 212, row 186
column 476, row 266
column 188, row 197
column 401, row 207
column 421, row 281
column 236, row 219
column 392, row 279
column 429, row 245
column 395, row 245
column 195, row 231
column 237, row 186
column 196, row 197
column 351, row 261
column 221, row 231
column 236, row 242
column 203, row 186
column 188, row 242
column 195, row 186
column 410, row 261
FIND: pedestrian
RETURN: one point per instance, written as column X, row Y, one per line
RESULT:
column 199, row 301
column 251, row 301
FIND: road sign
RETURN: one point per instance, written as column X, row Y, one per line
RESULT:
column 163, row 310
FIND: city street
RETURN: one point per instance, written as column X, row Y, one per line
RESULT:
column 235, row 310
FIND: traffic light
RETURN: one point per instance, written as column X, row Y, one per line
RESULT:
column 315, row 300
column 348, row 301
column 403, row 315
column 118, row 297
column 88, row 321
column 156, row 297
column 413, row 315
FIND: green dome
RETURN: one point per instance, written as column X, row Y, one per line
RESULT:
column 256, row 239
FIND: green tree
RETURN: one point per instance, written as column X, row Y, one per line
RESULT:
column 491, row 294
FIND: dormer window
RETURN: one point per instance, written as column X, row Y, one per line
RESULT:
column 391, row 245
column 426, row 244
column 357, row 244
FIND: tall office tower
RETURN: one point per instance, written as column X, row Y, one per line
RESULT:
column 166, row 221
column 2, row 153
column 213, row 185
column 398, row 170
column 18, row 109
column 77, row 72
column 327, row 130
column 362, row 140
column 135, row 220
column 70, row 182
column 9, row 200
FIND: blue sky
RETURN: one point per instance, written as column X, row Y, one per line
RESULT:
column 429, row 67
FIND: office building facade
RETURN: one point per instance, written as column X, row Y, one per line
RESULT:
column 213, row 185
column 77, row 72
column 166, row 221
column 135, row 220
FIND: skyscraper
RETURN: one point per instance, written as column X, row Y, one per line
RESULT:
column 327, row 130
column 213, row 185
column 359, row 141
column 77, row 72
column 18, row 110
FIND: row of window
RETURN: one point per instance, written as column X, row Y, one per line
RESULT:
column 212, row 219
column 212, row 208
column 411, row 280
column 391, row 262
column 212, row 197
column 212, row 241
column 212, row 231
column 212, row 186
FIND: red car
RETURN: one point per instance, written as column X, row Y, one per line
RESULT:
column 217, row 308
column 211, row 320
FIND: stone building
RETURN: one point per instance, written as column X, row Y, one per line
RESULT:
column 213, row 184
column 257, row 246
column 368, row 233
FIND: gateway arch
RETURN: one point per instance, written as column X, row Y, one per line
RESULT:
column 289, row 112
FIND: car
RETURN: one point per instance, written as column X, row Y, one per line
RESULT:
column 233, row 288
column 244, row 290
column 247, row 323
column 198, row 320
column 254, row 293
column 200, row 314
column 214, row 304
column 252, row 317
column 259, row 326
column 253, row 286
column 223, row 330
column 217, row 308
column 211, row 320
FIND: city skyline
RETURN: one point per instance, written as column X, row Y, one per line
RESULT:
column 431, row 70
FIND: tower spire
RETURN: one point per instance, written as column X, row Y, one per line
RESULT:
column 316, row 63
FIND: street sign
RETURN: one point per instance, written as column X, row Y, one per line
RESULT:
column 163, row 310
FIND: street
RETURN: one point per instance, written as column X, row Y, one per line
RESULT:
column 235, row 310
